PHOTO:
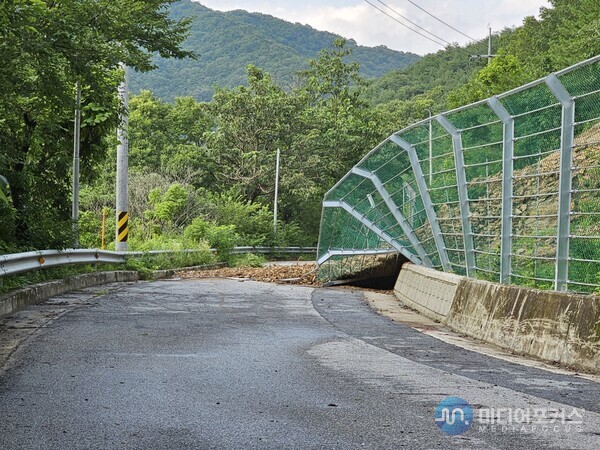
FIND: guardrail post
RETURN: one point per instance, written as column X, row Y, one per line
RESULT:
column 463, row 195
column 427, row 204
column 508, row 145
column 561, row 278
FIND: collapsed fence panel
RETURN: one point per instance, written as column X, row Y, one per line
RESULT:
column 506, row 189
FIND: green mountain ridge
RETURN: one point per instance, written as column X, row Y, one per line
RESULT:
column 226, row 42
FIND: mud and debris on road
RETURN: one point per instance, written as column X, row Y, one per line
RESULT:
column 301, row 274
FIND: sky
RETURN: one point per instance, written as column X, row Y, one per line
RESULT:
column 358, row 20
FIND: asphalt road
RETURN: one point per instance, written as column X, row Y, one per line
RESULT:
column 226, row 364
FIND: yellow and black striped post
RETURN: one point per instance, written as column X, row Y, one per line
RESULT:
column 123, row 226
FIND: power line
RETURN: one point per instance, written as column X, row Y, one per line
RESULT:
column 415, row 24
column 403, row 24
column 440, row 20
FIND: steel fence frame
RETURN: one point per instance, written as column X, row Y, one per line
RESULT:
column 537, row 211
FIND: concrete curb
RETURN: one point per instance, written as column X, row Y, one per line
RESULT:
column 39, row 293
column 14, row 301
column 559, row 327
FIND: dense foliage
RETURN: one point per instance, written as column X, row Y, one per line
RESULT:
column 45, row 48
column 228, row 41
column 203, row 173
column 206, row 171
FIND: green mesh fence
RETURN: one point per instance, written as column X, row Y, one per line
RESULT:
column 505, row 190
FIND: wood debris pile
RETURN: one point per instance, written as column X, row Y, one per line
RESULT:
column 304, row 274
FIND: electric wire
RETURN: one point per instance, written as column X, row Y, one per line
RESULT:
column 414, row 23
column 440, row 20
column 403, row 24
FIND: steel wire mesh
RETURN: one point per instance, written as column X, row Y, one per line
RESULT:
column 527, row 211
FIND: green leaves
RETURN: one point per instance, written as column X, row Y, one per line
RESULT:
column 94, row 114
column 168, row 206
column 504, row 73
column 46, row 47
column 223, row 152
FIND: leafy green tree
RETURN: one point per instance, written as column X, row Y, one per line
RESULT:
column 150, row 134
column 566, row 32
column 47, row 46
column 251, row 123
column 505, row 72
column 398, row 114
column 168, row 208
column 169, row 138
column 338, row 127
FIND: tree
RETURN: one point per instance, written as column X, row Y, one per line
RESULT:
column 565, row 33
column 337, row 128
column 504, row 73
column 150, row 133
column 46, row 46
column 251, row 123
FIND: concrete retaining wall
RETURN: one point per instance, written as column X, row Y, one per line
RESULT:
column 428, row 291
column 554, row 326
column 16, row 300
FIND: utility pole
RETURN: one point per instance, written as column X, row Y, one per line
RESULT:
column 276, row 192
column 122, row 169
column 103, row 227
column 489, row 55
column 76, row 146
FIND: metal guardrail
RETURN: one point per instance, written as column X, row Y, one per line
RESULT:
column 275, row 250
column 16, row 263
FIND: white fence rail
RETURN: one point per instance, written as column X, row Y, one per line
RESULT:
column 17, row 263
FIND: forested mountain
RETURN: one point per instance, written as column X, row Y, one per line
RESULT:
column 226, row 42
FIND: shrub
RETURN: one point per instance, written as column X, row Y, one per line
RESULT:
column 223, row 238
column 196, row 231
column 249, row 260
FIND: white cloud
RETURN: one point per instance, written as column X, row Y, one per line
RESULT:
column 358, row 20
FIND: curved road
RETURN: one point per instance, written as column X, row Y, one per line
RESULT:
column 228, row 364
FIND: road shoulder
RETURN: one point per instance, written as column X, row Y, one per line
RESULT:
column 389, row 306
